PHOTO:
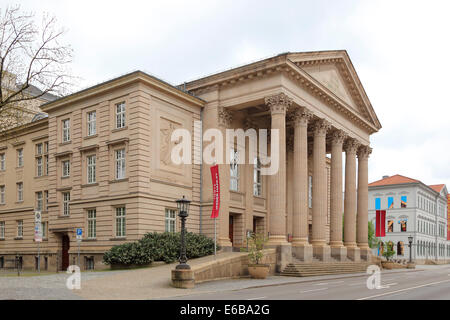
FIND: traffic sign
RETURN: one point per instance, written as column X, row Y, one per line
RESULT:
column 37, row 226
column 79, row 233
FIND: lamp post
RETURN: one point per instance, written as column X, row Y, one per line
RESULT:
column 410, row 240
column 183, row 213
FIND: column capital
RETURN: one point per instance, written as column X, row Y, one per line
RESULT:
column 338, row 137
column 278, row 103
column 225, row 117
column 321, row 127
column 364, row 152
column 301, row 116
column 351, row 145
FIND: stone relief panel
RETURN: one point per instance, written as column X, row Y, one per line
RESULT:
column 166, row 128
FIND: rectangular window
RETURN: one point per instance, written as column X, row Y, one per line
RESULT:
column 19, row 228
column 170, row 220
column 46, row 147
column 120, row 164
column 234, row 170
column 2, row 195
column 44, row 229
column 390, row 202
column 2, row 229
column 390, row 225
column 39, row 167
column 403, row 226
column 120, row 115
column 2, row 162
column 20, row 191
column 46, row 199
column 120, row 222
column 257, row 190
column 404, row 201
column 39, row 149
column 20, row 158
column 92, row 223
column 89, row 263
column 46, row 164
column 66, row 200
column 91, row 161
column 66, row 168
column 39, row 203
column 377, row 203
column 66, row 130
column 92, row 123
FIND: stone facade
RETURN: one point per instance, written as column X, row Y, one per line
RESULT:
column 314, row 100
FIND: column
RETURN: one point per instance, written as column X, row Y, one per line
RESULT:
column 353, row 252
column 362, row 213
column 338, row 251
column 279, row 104
column 319, row 189
column 300, row 245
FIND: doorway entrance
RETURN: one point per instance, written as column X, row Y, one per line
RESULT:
column 65, row 252
column 230, row 230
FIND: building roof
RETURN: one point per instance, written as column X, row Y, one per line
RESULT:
column 396, row 179
column 437, row 187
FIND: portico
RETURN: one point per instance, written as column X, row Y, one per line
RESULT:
column 317, row 104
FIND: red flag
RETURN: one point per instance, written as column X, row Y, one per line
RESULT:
column 380, row 223
column 216, row 191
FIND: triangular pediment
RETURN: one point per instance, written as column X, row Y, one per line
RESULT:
column 335, row 72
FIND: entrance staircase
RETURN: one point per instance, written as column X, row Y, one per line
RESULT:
column 318, row 268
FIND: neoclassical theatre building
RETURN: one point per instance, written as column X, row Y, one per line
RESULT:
column 101, row 161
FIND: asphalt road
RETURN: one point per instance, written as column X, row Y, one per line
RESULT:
column 429, row 284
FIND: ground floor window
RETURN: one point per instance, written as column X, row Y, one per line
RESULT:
column 170, row 220
column 120, row 222
column 400, row 248
column 2, row 262
column 89, row 263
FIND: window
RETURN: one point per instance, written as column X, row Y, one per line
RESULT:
column 44, row 229
column 400, row 248
column 257, row 190
column 19, row 228
column 39, row 149
column 20, row 191
column 39, row 167
column 120, row 222
column 91, row 169
column 170, row 220
column 390, row 226
column 46, row 147
column 92, row 123
column 377, row 203
column 46, row 164
column 234, row 170
column 39, row 199
column 46, row 199
column 66, row 168
column 2, row 229
column 89, row 263
column 66, row 200
column 120, row 164
column 20, row 158
column 390, row 202
column 92, row 223
column 310, row 191
column 66, row 130
column 120, row 115
column 403, row 225
column 2, row 162
column 2, row 194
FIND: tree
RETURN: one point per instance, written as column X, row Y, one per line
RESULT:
column 33, row 63
column 373, row 241
column 389, row 251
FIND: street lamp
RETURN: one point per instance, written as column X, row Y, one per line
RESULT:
column 410, row 240
column 183, row 213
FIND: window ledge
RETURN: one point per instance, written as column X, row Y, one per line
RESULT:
column 2, row 239
column 65, row 177
column 118, row 180
column 18, row 238
column 118, row 239
column 89, row 185
column 90, row 240
column 40, row 177
column 19, row 202
column 63, row 217
column 65, row 143
column 91, row 137
column 119, row 129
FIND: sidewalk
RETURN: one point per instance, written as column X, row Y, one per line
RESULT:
column 155, row 283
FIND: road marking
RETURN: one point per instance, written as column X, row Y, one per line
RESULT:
column 406, row 289
column 314, row 290
column 321, row 284
column 258, row 298
column 391, row 284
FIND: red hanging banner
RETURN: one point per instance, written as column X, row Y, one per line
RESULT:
column 216, row 191
column 380, row 223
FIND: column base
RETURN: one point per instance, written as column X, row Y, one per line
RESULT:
column 284, row 251
column 339, row 253
column 183, row 278
column 303, row 252
column 354, row 254
column 323, row 253
column 365, row 253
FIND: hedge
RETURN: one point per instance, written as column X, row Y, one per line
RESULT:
column 158, row 247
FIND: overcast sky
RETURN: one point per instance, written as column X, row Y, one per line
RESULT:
column 400, row 50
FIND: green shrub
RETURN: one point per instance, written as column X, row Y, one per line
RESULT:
column 159, row 247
